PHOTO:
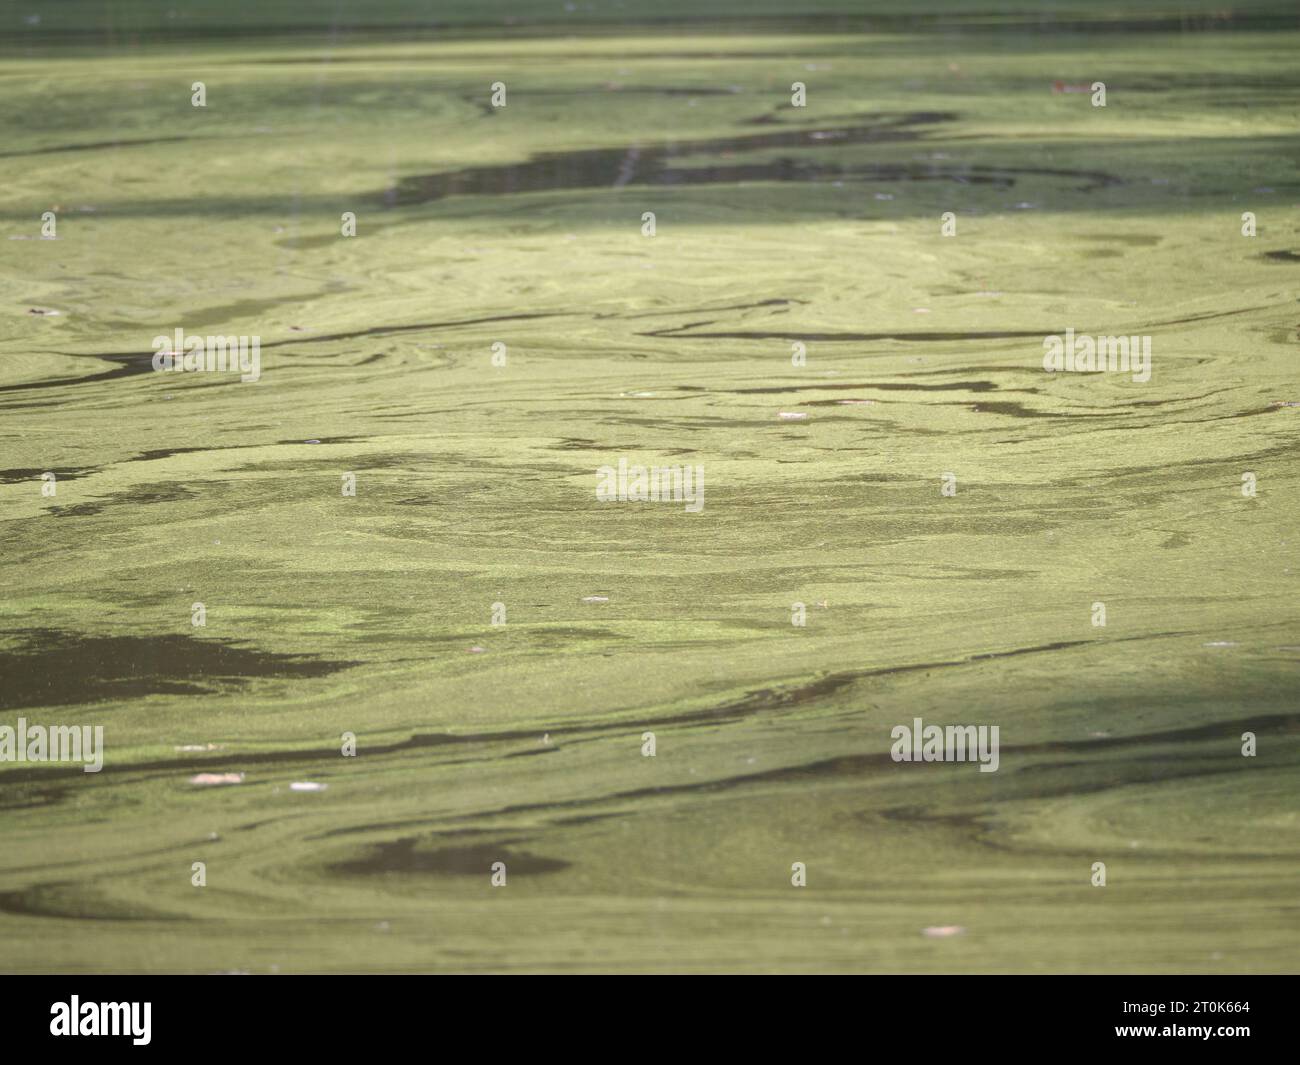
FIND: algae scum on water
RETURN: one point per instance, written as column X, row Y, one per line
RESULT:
column 416, row 652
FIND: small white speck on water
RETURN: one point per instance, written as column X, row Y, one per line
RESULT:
column 636, row 395
column 209, row 780
column 792, row 416
column 943, row 931
column 546, row 739
column 311, row 441
column 853, row 402
column 188, row 747
column 307, row 785
column 1219, row 643
column 477, row 650
column 920, row 310
column 595, row 599
column 884, row 196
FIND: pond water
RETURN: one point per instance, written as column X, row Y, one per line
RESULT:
column 840, row 317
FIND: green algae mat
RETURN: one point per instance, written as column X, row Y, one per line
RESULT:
column 654, row 420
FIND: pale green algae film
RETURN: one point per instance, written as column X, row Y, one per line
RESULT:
column 328, row 614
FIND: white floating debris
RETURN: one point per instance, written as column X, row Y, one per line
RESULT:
column 853, row 402
column 187, row 747
column 595, row 599
column 476, row 650
column 943, row 931
column 792, row 416
column 307, row 785
column 1219, row 643
column 43, row 312
column 215, row 779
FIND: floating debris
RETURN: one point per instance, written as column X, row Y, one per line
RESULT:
column 943, row 931
column 188, row 747
column 307, row 785
column 853, row 402
column 476, row 650
column 215, row 779
column 43, row 312
column 595, row 599
column 792, row 416
column 1219, row 643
